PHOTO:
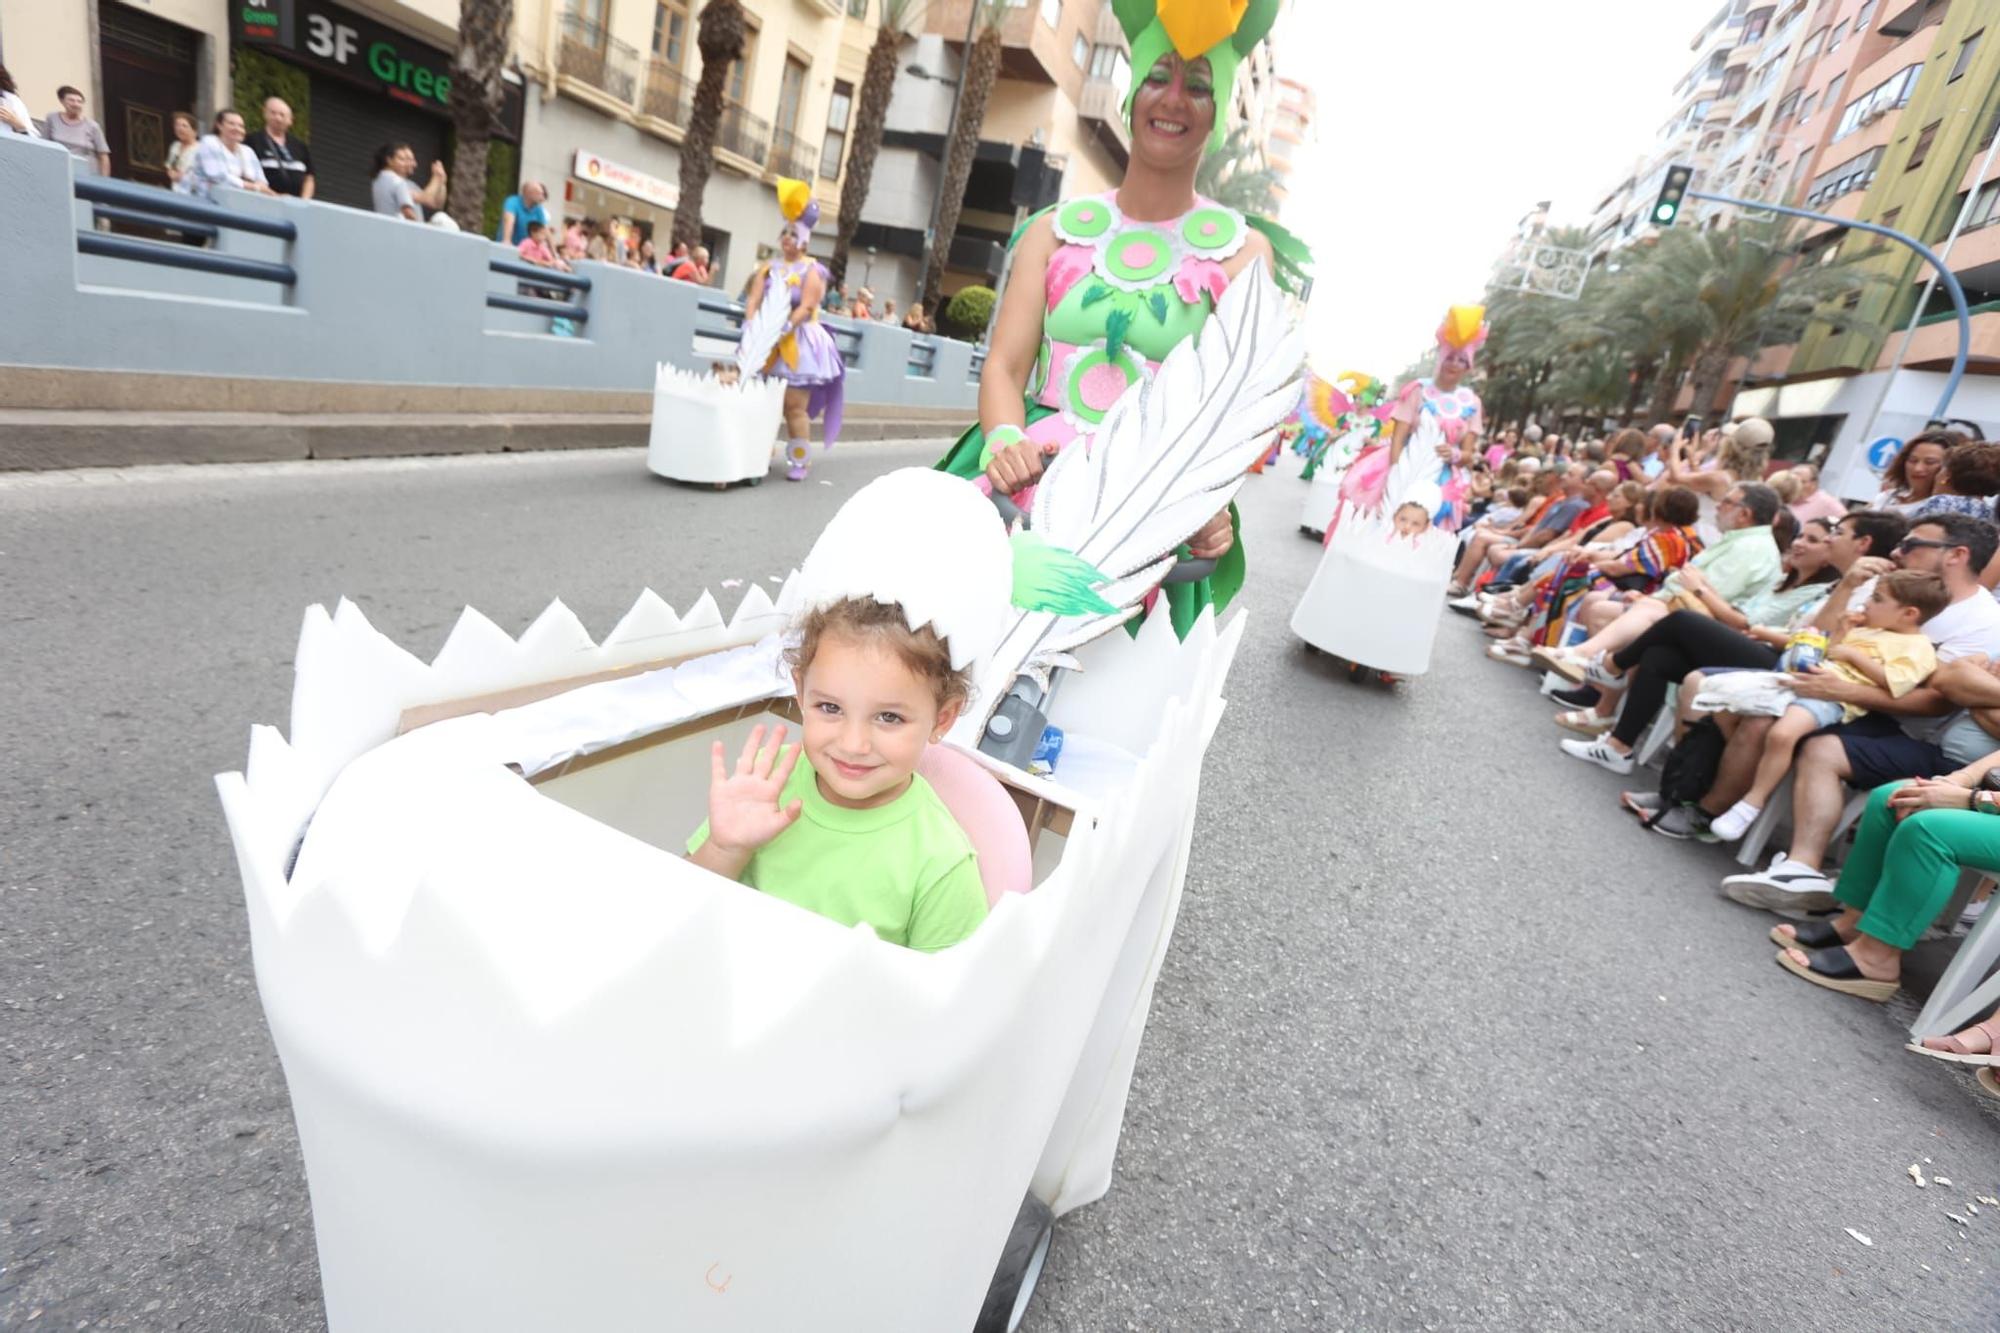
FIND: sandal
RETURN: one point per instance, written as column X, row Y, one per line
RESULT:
column 1809, row 934
column 1956, row 1053
column 1990, row 1082
column 1834, row 969
column 1585, row 722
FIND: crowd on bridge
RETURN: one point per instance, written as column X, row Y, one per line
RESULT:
column 1789, row 655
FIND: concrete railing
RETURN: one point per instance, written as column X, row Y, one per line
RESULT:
column 379, row 300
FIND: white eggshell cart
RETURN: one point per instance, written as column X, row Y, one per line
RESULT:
column 1323, row 492
column 1375, row 600
column 549, row 1075
column 711, row 433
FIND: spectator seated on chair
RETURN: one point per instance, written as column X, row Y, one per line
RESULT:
column 1881, row 646
column 1907, row 736
column 1741, row 563
column 1909, row 850
column 1563, row 491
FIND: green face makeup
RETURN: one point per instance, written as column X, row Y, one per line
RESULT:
column 1200, row 80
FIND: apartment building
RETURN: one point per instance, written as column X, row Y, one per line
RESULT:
column 1909, row 121
column 1292, row 126
column 1054, row 125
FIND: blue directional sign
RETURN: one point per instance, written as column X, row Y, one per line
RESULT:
column 1884, row 449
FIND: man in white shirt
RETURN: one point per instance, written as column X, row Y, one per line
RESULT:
column 1899, row 737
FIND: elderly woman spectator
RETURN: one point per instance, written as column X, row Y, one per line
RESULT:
column 1813, row 501
column 180, row 153
column 1539, row 529
column 1912, row 475
column 1742, row 561
column 862, row 306
column 1616, row 512
column 693, row 267
column 223, row 161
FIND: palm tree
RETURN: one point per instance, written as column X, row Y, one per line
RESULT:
column 720, row 33
column 1236, row 176
column 485, row 32
column 981, row 68
column 871, row 115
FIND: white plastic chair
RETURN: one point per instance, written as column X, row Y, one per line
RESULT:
column 1777, row 814
column 1964, row 994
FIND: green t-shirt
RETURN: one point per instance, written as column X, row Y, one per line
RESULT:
column 905, row 868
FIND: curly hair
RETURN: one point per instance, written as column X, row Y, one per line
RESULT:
column 922, row 650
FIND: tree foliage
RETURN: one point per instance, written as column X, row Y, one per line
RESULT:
column 721, row 32
column 1674, row 312
column 1236, row 176
column 976, row 78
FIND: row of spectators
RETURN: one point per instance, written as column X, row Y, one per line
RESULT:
column 1849, row 652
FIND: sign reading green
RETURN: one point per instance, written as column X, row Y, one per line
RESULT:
column 354, row 47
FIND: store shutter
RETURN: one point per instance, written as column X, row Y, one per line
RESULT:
column 350, row 125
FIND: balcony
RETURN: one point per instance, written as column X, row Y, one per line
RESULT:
column 669, row 95
column 1936, row 339
column 1101, row 109
column 1109, row 32
column 592, row 57
column 1029, row 48
column 745, row 135
column 793, row 156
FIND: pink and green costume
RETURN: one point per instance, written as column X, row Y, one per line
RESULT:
column 1454, row 412
column 1119, row 295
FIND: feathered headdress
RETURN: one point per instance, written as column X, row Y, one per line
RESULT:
column 801, row 210
column 1462, row 334
column 1223, row 30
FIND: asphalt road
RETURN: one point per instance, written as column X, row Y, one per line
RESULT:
column 1444, row 1041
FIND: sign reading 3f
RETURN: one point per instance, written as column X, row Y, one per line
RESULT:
column 331, row 41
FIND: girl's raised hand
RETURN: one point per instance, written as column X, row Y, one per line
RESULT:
column 743, row 809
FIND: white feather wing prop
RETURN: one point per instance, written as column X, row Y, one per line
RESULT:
column 762, row 330
column 1170, row 454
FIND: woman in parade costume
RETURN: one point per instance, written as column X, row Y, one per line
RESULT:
column 1439, row 409
column 1103, row 287
column 805, row 357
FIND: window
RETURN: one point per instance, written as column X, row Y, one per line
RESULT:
column 1079, row 51
column 1985, row 207
column 838, row 112
column 1889, row 218
column 1925, row 137
column 1966, row 50
column 1884, row 97
column 1052, row 13
column 1756, row 26
column 739, row 73
column 791, row 92
column 1732, row 81
column 1836, row 37
column 1806, row 107
column 857, row 9
column 1862, row 15
column 670, row 29
column 1785, row 110
column 1857, row 173
column 1831, row 96
column 1812, row 46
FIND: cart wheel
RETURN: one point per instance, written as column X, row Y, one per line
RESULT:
column 757, row 480
column 1306, row 528
column 1357, row 673
column 1312, row 650
column 1006, row 1303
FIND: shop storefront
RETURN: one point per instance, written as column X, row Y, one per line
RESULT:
column 612, row 192
column 367, row 84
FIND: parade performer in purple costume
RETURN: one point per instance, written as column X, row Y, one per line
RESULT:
column 806, row 358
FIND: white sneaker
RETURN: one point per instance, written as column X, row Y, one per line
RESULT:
column 1469, row 604
column 1734, row 822
column 1598, row 671
column 1511, row 651
column 1969, row 918
column 1787, row 887
column 1598, row 752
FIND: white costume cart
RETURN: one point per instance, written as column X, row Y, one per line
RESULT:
column 1323, row 492
column 711, row 433
column 549, row 1075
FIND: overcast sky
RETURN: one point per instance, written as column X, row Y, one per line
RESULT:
column 1442, row 122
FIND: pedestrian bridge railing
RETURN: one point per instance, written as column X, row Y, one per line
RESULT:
column 292, row 289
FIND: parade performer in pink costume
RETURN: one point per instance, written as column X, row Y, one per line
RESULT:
column 1103, row 286
column 1440, row 415
column 806, row 357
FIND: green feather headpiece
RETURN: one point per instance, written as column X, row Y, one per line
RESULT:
column 1223, row 30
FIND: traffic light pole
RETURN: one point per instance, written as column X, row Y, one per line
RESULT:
column 1944, row 275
